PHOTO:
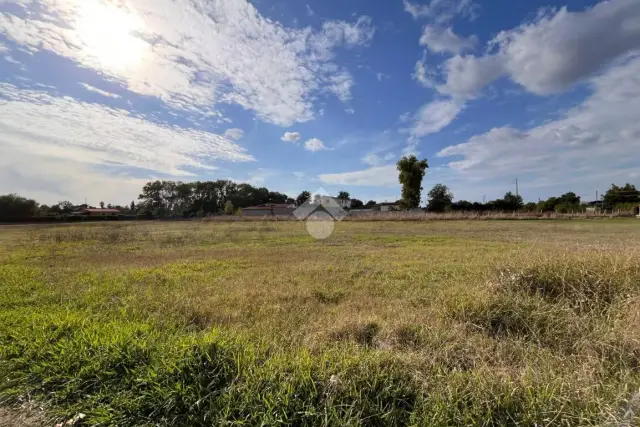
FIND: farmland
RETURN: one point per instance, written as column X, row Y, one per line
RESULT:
column 384, row 323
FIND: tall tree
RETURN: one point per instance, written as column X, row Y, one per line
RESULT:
column 132, row 207
column 510, row 202
column 66, row 207
column 570, row 198
column 14, row 206
column 370, row 204
column 303, row 197
column 411, row 172
column 356, row 204
column 625, row 194
column 440, row 198
column 101, row 205
column 343, row 195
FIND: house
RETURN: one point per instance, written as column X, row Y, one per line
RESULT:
column 329, row 201
column 269, row 209
column 388, row 207
column 97, row 212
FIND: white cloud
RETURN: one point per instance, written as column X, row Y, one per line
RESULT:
column 291, row 137
column 100, row 91
column 425, row 76
column 310, row 11
column 467, row 75
column 196, row 54
column 3, row 48
column 299, row 175
column 63, row 128
column 435, row 116
column 350, row 111
column 381, row 76
column 445, row 40
column 442, row 11
column 314, row 144
column 338, row 32
column 404, row 117
column 374, row 176
column 51, row 180
column 557, row 50
column 233, row 134
column 340, row 85
column 11, row 60
column 374, row 159
column 594, row 144
column 552, row 53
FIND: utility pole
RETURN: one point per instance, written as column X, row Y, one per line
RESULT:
column 517, row 194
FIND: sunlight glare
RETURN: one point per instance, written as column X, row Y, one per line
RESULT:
column 106, row 31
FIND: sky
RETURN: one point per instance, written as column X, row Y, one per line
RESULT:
column 98, row 97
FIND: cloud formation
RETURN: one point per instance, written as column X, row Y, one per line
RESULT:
column 375, row 159
column 553, row 52
column 196, row 54
column 64, row 128
column 595, row 142
column 233, row 134
column 100, row 91
column 445, row 40
column 441, row 11
column 382, row 176
column 435, row 116
column 314, row 144
column 291, row 137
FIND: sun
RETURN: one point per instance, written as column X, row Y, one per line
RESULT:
column 108, row 34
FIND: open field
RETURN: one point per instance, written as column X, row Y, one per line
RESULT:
column 384, row 323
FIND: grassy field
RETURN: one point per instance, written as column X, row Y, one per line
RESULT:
column 384, row 323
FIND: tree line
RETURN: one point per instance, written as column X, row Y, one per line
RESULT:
column 203, row 198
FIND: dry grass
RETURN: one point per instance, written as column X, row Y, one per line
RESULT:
column 431, row 322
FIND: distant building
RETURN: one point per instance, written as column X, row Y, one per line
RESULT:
column 329, row 200
column 387, row 207
column 97, row 212
column 269, row 209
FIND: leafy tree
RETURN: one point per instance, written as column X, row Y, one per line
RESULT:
column 344, row 195
column 356, row 204
column 290, row 201
column 462, row 205
column 570, row 198
column 132, row 207
column 152, row 195
column 370, row 204
column 228, row 208
column 14, row 206
column 625, row 194
column 440, row 198
column 66, row 207
column 101, row 205
column 275, row 197
column 411, row 172
column 303, row 197
column 548, row 205
column 510, row 202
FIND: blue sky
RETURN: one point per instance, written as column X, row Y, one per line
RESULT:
column 99, row 96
